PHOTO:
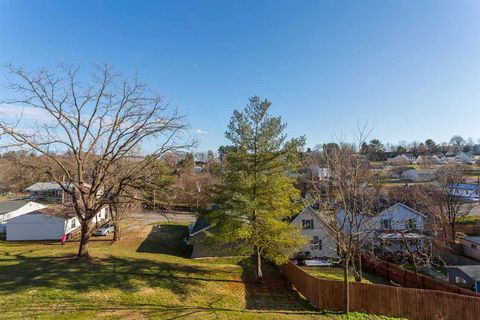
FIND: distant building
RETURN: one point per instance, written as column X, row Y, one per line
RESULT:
column 467, row 191
column 49, row 223
column 416, row 175
column 202, row 247
column 471, row 247
column 402, row 159
column 12, row 209
column 465, row 276
column 465, row 157
column 49, row 191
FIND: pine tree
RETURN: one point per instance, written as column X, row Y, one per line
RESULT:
column 257, row 197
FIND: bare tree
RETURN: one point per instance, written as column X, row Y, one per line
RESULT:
column 93, row 126
column 353, row 190
column 451, row 205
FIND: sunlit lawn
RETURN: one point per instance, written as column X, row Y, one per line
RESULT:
column 148, row 275
column 336, row 273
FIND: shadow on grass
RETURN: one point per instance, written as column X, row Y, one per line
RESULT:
column 167, row 239
column 275, row 293
column 100, row 274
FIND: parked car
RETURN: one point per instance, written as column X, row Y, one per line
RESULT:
column 105, row 230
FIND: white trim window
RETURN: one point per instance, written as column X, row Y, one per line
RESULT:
column 460, row 280
column 410, row 224
column 316, row 243
column 307, row 224
column 387, row 224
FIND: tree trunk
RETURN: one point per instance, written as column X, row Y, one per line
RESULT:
column 84, row 240
column 358, row 273
column 346, row 298
column 117, row 235
column 452, row 226
column 258, row 266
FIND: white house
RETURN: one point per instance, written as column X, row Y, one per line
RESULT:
column 430, row 160
column 400, row 160
column 467, row 191
column 49, row 223
column 466, row 158
column 398, row 226
column 320, row 243
column 12, row 209
column 417, row 175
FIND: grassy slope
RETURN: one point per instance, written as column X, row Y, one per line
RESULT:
column 336, row 273
column 146, row 276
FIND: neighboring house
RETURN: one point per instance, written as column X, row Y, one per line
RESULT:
column 201, row 248
column 320, row 243
column 465, row 276
column 12, row 209
column 411, row 158
column 48, row 190
column 49, row 223
column 465, row 157
column 398, row 226
column 416, row 175
column 440, row 158
column 467, row 191
column 471, row 247
column 431, row 160
column 399, row 160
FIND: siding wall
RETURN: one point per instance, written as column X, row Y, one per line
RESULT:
column 35, row 227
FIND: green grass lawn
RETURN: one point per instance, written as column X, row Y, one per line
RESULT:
column 336, row 273
column 147, row 275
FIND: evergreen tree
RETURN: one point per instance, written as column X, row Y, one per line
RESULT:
column 257, row 197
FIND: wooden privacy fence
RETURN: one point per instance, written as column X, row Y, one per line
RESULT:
column 385, row 300
column 407, row 278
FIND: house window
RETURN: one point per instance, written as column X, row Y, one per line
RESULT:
column 307, row 224
column 460, row 280
column 72, row 224
column 473, row 246
column 315, row 243
column 410, row 224
column 387, row 224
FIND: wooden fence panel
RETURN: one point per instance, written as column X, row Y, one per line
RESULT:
column 407, row 278
column 385, row 300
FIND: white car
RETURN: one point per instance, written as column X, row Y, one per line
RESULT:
column 105, row 230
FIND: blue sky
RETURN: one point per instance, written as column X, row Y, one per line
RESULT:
column 409, row 68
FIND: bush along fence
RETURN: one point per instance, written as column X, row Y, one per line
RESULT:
column 407, row 278
column 410, row 303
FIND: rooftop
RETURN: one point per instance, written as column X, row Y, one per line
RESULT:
column 200, row 224
column 473, row 271
column 57, row 211
column 464, row 186
column 44, row 186
column 472, row 239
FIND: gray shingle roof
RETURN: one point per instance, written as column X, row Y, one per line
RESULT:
column 472, row 271
column 44, row 186
column 200, row 225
